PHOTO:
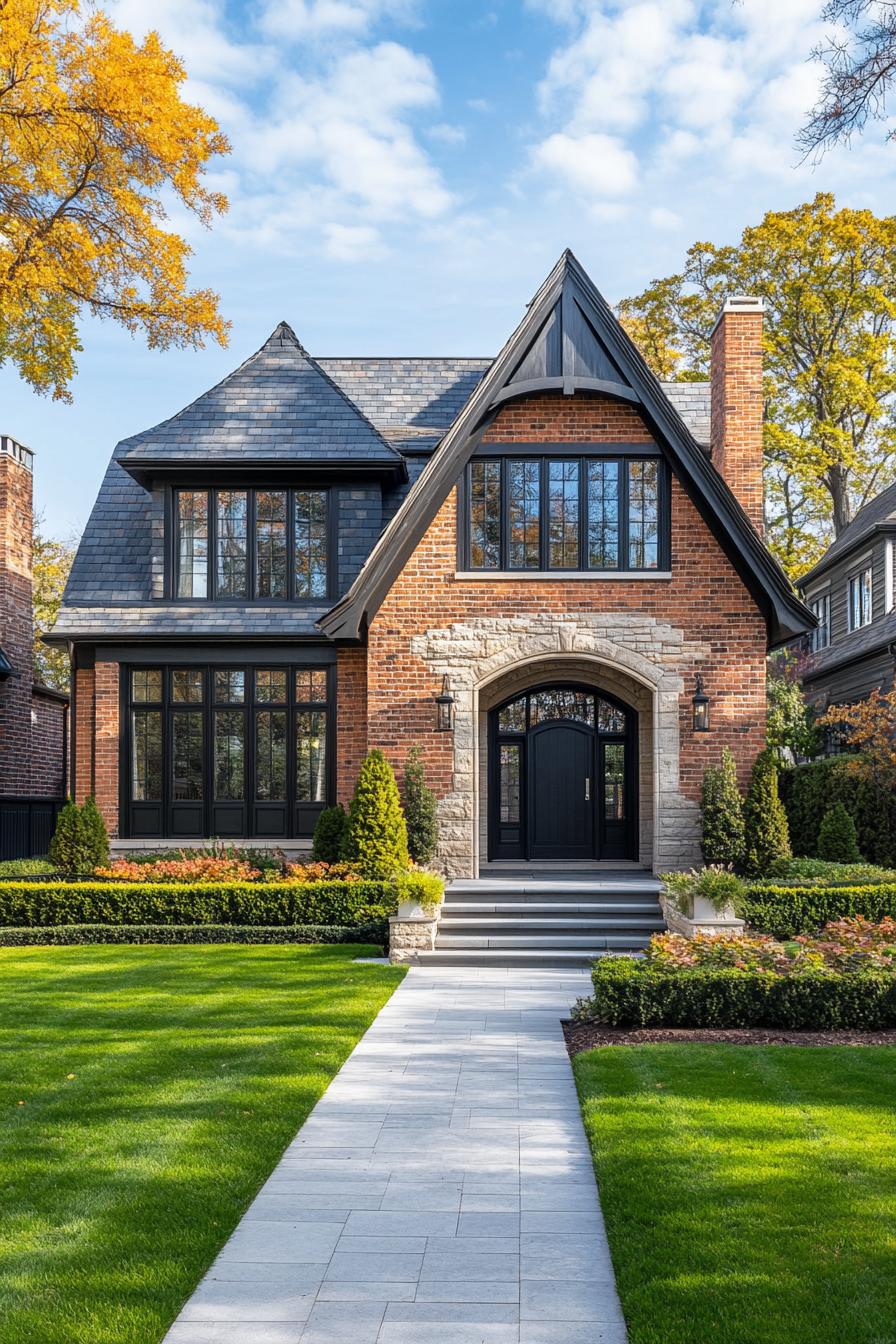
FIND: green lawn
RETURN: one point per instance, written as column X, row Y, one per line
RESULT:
column 159, row 1087
column 749, row 1193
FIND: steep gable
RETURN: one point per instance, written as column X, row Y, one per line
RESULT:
column 570, row 341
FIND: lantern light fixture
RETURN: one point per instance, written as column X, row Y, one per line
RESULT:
column 700, row 703
column 445, row 708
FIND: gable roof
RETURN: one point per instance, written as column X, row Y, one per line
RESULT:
column 570, row 340
column 879, row 513
column 278, row 408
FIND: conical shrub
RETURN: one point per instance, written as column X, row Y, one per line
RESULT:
column 376, row 837
column 765, row 822
column 419, row 810
column 723, row 814
column 837, row 840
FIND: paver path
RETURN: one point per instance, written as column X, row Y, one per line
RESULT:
column 441, row 1192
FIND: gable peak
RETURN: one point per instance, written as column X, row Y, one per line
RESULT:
column 283, row 334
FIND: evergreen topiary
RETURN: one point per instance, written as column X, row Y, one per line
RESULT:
column 723, row 814
column 94, row 836
column 766, row 835
column 65, row 847
column 419, row 810
column 837, row 836
column 376, row 836
column 326, row 847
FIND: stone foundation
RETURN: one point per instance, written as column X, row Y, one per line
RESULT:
column 408, row 936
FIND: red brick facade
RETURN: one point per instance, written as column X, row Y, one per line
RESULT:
column 705, row 598
column 97, row 739
column 32, row 725
column 351, row 719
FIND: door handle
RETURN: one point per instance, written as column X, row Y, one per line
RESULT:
column 587, row 788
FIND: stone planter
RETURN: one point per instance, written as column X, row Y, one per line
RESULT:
column 702, row 917
column 412, row 930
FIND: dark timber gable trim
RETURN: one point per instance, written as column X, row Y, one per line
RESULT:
column 570, row 340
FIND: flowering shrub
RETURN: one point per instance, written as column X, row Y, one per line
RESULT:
column 844, row 945
column 204, row 868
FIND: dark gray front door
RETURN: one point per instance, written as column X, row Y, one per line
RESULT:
column 561, row 823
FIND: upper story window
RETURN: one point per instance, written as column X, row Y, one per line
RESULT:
column 543, row 514
column 264, row 545
column 821, row 609
column 859, row 599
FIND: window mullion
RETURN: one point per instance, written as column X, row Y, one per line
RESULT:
column 623, row 513
column 544, row 554
column 505, row 519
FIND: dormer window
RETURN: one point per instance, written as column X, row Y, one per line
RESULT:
column 550, row 515
column 264, row 545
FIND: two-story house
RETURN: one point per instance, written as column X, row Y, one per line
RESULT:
column 546, row 569
column 852, row 649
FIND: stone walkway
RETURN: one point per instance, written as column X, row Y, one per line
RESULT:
column 441, row 1192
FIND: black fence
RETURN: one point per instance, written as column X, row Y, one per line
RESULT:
column 26, row 826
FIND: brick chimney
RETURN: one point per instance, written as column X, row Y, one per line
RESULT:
column 736, row 401
column 15, row 616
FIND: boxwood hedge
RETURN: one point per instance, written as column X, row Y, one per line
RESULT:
column 36, row 904
column 61, row 935
column 785, row 911
column 629, row 993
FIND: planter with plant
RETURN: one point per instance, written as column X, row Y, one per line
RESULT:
column 703, row 901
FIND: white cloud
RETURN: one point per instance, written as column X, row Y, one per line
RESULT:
column 447, row 134
column 297, row 20
column 354, row 242
column 592, row 165
column 195, row 31
column 661, row 218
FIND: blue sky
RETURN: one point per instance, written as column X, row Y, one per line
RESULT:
column 404, row 173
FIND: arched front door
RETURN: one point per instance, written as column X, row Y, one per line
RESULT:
column 562, row 784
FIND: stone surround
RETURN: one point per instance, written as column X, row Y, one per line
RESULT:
column 635, row 656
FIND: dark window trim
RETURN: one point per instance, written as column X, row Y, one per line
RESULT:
column 172, row 538
column 250, row 705
column 664, row 547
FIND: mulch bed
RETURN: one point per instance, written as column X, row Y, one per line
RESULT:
column 587, row 1035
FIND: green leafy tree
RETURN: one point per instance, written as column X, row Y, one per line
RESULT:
column 376, row 836
column 51, row 563
column 790, row 724
column 827, row 278
column 837, row 841
column 326, row 846
column 765, row 822
column 420, row 810
column 723, row 814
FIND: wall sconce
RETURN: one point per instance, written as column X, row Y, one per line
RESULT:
column 445, row 708
column 701, row 708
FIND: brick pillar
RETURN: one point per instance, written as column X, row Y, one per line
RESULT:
column 106, row 743
column 83, row 728
column 736, row 401
column 16, row 628
column 351, row 719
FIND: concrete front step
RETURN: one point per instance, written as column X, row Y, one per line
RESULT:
column 533, row 909
column 491, row 957
column 541, row 941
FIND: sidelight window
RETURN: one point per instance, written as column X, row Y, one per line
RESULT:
column 546, row 514
column 258, row 545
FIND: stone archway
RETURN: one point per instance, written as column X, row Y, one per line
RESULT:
column 634, row 656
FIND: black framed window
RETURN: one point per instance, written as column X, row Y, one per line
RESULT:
column 226, row 750
column 571, row 514
column 251, row 544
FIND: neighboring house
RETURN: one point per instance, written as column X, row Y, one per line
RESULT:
column 33, row 718
column 850, row 590
column 524, row 565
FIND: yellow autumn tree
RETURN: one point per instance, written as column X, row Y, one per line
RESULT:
column 52, row 561
column 94, row 133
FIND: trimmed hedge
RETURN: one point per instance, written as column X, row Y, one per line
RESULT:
column 629, row 993
column 808, row 791
column 785, row 911
column 41, row 904
column 70, row 935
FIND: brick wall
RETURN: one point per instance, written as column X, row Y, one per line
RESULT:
column 705, row 599
column 351, row 719
column 48, row 738
column 15, row 617
column 736, row 408
column 96, row 748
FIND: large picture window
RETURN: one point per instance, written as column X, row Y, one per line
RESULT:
column 227, row 751
column 252, row 545
column 574, row 514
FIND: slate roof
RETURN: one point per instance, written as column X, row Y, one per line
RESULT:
column 280, row 405
column 878, row 512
